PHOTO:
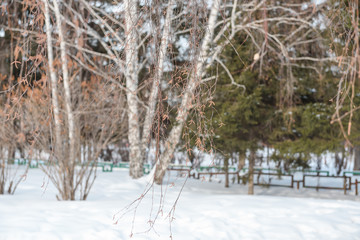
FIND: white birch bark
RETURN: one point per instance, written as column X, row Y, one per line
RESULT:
column 150, row 112
column 54, row 91
column 174, row 136
column 131, row 58
column 70, row 116
column 59, row 150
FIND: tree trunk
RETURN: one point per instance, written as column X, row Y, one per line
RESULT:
column 357, row 158
column 11, row 153
column 241, row 164
column 70, row 161
column 226, row 168
column 136, row 163
column 2, row 176
column 54, row 91
column 174, row 136
column 150, row 112
column 251, row 173
column 339, row 161
column 242, row 158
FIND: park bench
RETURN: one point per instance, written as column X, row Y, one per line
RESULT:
column 181, row 169
column 34, row 164
column 211, row 174
column 343, row 181
column 122, row 165
column 20, row 161
column 107, row 166
column 356, row 175
column 310, row 171
column 202, row 170
column 146, row 167
column 264, row 170
column 271, row 177
column 215, row 168
column 353, row 173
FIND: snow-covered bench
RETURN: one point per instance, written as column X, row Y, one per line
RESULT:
column 352, row 173
column 146, row 167
column 202, row 175
column 310, row 172
column 180, row 168
column 274, row 179
column 327, row 182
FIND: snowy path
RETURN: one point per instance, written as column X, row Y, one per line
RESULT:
column 205, row 211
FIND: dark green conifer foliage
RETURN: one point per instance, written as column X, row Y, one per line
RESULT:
column 251, row 119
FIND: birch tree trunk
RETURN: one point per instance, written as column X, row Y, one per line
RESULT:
column 54, row 91
column 58, row 151
column 136, row 163
column 174, row 136
column 150, row 112
column 70, row 117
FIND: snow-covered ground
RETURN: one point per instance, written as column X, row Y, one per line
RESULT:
column 205, row 210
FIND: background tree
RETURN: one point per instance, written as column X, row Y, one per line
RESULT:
column 13, row 138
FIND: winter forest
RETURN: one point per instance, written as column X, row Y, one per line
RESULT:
column 166, row 115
